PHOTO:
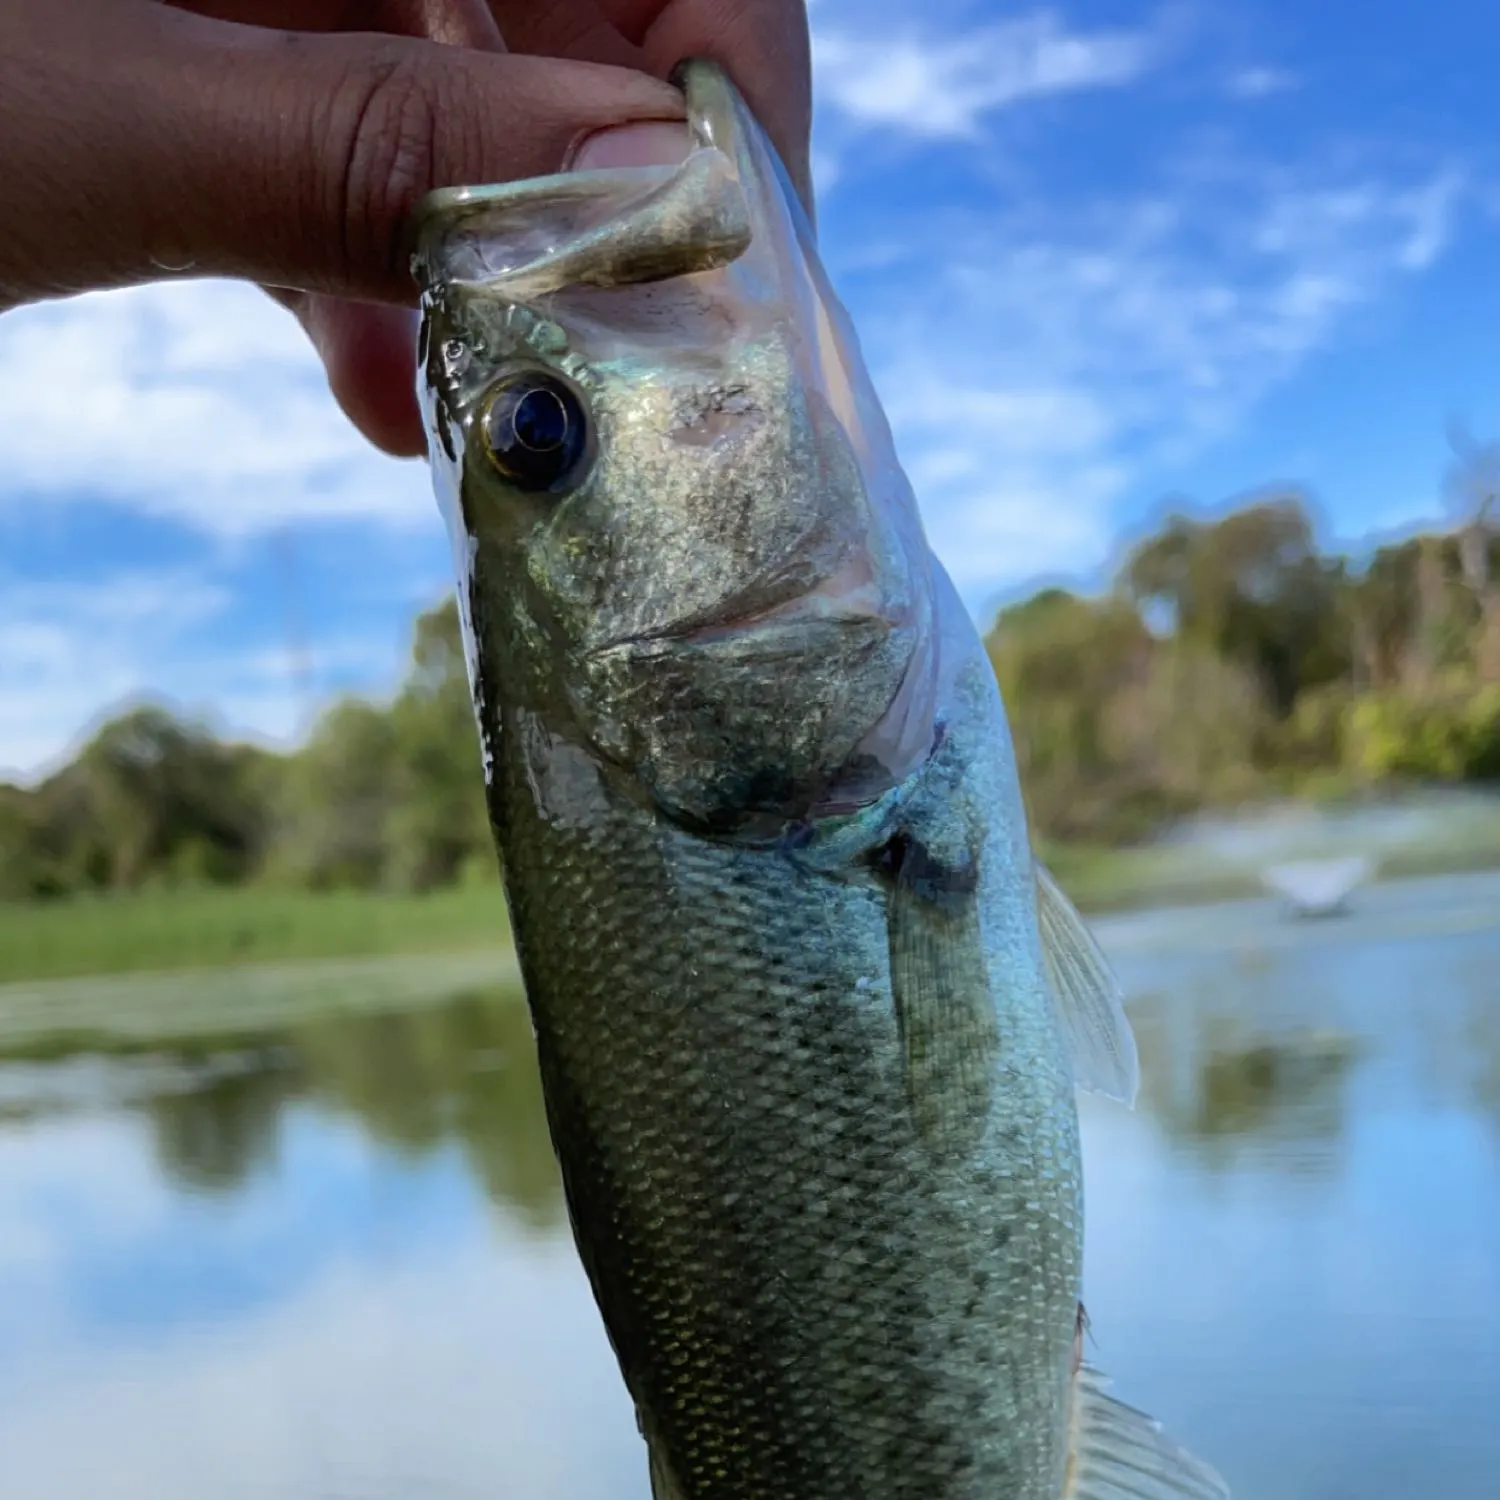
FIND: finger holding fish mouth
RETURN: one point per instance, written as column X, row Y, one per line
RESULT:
column 809, row 1014
column 366, row 347
column 285, row 141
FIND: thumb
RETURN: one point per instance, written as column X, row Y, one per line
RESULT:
column 143, row 139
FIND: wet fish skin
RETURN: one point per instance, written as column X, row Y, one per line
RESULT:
column 809, row 1298
column 808, row 1061
column 722, row 490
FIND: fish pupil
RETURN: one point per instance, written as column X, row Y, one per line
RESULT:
column 540, row 421
column 536, row 432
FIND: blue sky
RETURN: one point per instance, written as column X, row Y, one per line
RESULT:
column 1103, row 256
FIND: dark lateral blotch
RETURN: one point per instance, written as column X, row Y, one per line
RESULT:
column 905, row 861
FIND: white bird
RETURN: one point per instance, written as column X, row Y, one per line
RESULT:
column 1318, row 887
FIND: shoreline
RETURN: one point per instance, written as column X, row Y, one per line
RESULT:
column 189, row 1007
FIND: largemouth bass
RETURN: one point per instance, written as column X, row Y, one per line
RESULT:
column 809, row 1015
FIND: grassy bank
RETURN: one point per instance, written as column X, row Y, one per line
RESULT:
column 162, row 931
column 196, row 1009
column 1102, row 878
column 188, row 929
column 171, row 931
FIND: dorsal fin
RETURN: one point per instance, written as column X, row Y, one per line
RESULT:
column 1086, row 996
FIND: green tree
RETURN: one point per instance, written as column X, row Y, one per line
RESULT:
column 24, row 870
column 338, row 795
column 1061, row 661
column 1252, row 588
column 150, row 797
column 439, row 826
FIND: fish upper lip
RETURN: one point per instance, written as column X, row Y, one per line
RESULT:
column 784, row 600
column 759, row 602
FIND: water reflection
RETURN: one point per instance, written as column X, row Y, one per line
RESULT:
column 458, row 1073
column 214, row 1137
column 330, row 1256
column 1228, row 1098
column 465, row 1071
column 1458, row 1051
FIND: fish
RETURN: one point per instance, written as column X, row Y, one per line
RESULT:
column 810, row 1016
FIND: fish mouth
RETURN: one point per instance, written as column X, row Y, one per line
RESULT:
column 769, row 711
column 779, row 608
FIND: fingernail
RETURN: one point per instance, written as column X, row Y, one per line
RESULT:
column 646, row 143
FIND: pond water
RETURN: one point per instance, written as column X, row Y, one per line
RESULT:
column 331, row 1259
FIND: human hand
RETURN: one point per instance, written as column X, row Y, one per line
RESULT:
column 285, row 141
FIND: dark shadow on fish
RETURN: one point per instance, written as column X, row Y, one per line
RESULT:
column 950, row 1036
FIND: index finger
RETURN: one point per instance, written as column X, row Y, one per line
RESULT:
column 761, row 44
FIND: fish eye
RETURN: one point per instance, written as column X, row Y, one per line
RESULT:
column 536, row 431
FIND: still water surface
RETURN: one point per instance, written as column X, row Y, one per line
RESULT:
column 332, row 1260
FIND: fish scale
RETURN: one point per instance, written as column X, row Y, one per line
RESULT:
column 809, row 1016
column 856, row 1315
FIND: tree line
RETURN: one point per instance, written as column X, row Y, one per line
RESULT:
column 1229, row 659
column 380, row 796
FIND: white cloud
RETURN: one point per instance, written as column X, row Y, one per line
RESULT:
column 825, row 172
column 1413, row 223
column 1431, row 212
column 67, row 648
column 198, row 402
column 1260, row 83
column 945, row 85
column 71, row 653
column 392, row 1366
column 1040, row 366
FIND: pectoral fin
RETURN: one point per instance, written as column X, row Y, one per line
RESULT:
column 1087, row 997
column 1118, row 1453
column 949, row 1034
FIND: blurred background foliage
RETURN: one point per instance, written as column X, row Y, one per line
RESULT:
column 382, row 796
column 1230, row 660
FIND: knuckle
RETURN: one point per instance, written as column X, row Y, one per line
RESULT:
column 393, row 116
